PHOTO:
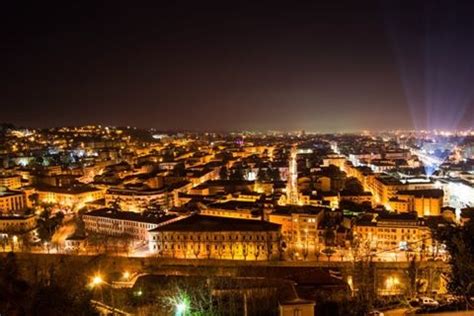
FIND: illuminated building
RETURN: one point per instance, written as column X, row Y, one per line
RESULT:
column 385, row 187
column 425, row 202
column 73, row 196
column 234, row 209
column 10, row 181
column 137, row 199
column 113, row 222
column 11, row 201
column 335, row 160
column 364, row 197
column 211, row 237
column 388, row 231
column 17, row 223
column 299, row 228
column 75, row 243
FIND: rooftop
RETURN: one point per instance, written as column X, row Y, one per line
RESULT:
column 130, row 216
column 68, row 190
column 204, row 223
column 427, row 193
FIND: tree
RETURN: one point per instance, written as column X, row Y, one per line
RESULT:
column 47, row 224
column 328, row 252
column 14, row 289
column 116, row 203
column 317, row 253
column 224, row 173
column 353, row 186
column 274, row 174
column 412, row 277
column 459, row 242
column 262, row 175
column 33, row 198
column 237, row 173
column 355, row 207
column 364, row 281
column 329, row 236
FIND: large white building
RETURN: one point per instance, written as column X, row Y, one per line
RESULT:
column 11, row 201
column 113, row 222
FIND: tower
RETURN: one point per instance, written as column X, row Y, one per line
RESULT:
column 292, row 196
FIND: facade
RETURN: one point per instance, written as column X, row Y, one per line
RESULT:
column 297, row 307
column 75, row 243
column 17, row 223
column 211, row 237
column 299, row 229
column 234, row 209
column 335, row 160
column 424, row 202
column 389, row 231
column 384, row 188
column 113, row 222
column 12, row 201
column 74, row 197
column 365, row 197
column 10, row 181
column 136, row 200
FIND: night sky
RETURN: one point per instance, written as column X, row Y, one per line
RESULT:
column 203, row 66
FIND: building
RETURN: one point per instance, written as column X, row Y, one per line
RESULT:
column 234, row 209
column 296, row 307
column 386, row 187
column 10, row 181
column 17, row 223
column 424, row 202
column 389, row 231
column 113, row 222
column 74, row 197
column 137, row 199
column 212, row 237
column 75, row 243
column 11, row 201
column 299, row 228
column 359, row 198
column 335, row 160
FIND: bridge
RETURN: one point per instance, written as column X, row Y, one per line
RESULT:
column 129, row 283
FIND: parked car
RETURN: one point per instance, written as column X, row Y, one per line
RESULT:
column 428, row 302
column 375, row 313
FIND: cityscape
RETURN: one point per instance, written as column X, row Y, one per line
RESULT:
column 209, row 181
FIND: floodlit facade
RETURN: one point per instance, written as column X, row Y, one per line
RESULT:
column 210, row 237
column 12, row 201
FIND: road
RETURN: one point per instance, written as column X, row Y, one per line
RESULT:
column 396, row 312
column 403, row 312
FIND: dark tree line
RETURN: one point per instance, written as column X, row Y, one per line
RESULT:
column 459, row 241
column 57, row 291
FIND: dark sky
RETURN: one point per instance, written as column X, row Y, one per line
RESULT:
column 201, row 66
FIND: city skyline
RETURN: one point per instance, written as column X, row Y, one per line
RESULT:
column 319, row 67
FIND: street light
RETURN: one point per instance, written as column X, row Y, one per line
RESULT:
column 181, row 308
column 15, row 241
column 96, row 281
column 126, row 275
